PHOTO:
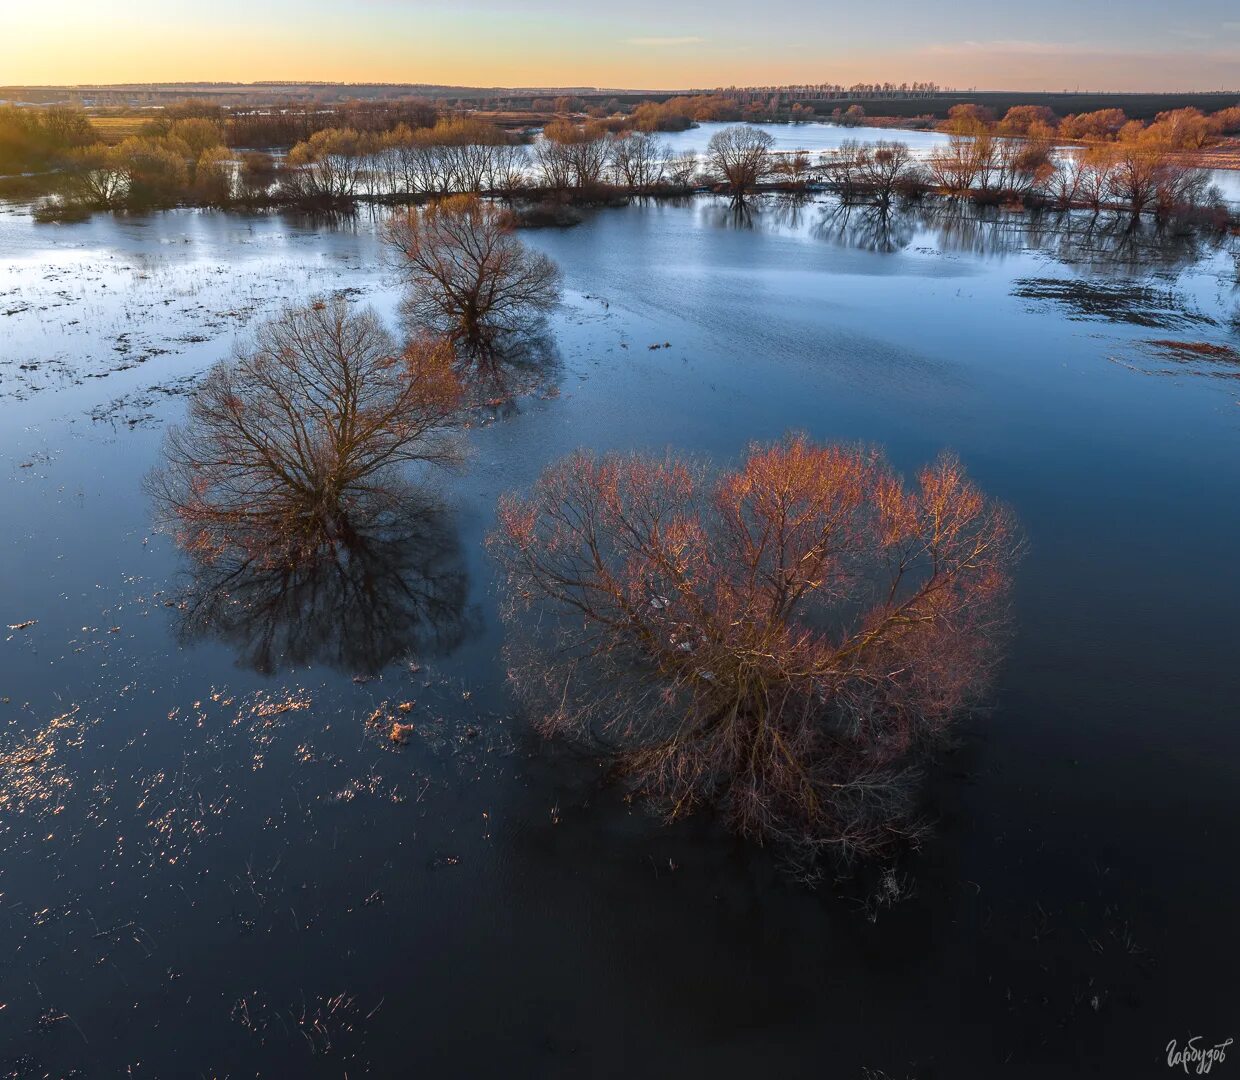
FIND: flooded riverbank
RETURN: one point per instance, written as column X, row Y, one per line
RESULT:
column 217, row 863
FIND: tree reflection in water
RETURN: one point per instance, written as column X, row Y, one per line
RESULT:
column 288, row 487
column 867, row 227
column 393, row 586
column 1100, row 243
column 519, row 365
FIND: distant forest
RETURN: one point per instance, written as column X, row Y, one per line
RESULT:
column 903, row 100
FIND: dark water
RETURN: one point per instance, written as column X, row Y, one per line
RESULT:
column 209, row 870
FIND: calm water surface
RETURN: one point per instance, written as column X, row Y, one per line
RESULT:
column 211, row 866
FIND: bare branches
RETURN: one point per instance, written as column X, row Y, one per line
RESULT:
column 285, row 446
column 740, row 158
column 470, row 278
column 774, row 643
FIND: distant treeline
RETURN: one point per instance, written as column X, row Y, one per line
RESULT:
column 1141, row 170
column 938, row 106
column 1186, row 128
column 40, row 139
column 33, row 139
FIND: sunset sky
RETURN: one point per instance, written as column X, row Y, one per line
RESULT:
column 1143, row 44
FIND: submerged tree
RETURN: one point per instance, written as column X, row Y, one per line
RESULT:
column 326, row 168
column 286, row 446
column 470, row 277
column 739, row 157
column 886, row 168
column 640, row 162
column 774, row 643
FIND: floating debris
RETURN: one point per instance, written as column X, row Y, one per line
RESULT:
column 266, row 705
column 32, row 768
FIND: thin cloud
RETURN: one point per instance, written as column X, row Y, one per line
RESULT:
column 1010, row 46
column 660, row 42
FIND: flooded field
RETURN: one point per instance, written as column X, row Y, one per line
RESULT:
column 216, row 860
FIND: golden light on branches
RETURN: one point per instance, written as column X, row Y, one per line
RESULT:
column 292, row 444
column 774, row 642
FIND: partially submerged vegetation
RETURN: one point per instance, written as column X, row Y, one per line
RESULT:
column 1139, row 178
column 574, row 164
column 409, row 151
column 289, row 449
column 471, row 279
column 293, row 486
column 775, row 642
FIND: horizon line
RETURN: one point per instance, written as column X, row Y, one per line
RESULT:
column 581, row 88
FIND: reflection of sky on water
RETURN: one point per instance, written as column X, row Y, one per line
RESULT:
column 237, row 848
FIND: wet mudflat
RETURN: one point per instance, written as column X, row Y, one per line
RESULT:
column 218, row 859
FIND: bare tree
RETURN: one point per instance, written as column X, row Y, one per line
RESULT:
column 326, row 167
column 774, row 643
column 883, row 168
column 554, row 160
column 793, row 169
column 573, row 155
column 966, row 164
column 640, row 161
column 95, row 176
column 1024, row 167
column 509, row 169
column 470, row 277
column 682, row 170
column 842, row 167
column 1134, row 176
column 286, row 445
column 468, row 150
column 740, row 158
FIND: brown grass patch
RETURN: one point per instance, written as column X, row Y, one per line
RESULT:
column 112, row 129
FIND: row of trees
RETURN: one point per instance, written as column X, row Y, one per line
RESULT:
column 464, row 155
column 455, row 155
column 335, row 166
column 37, row 139
column 1139, row 178
column 189, row 163
column 1176, row 129
column 589, row 161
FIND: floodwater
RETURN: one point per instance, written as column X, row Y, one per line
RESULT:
column 813, row 137
column 213, row 864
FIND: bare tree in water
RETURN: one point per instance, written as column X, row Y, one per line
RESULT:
column 286, row 447
column 774, row 643
column 470, row 277
column 739, row 157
